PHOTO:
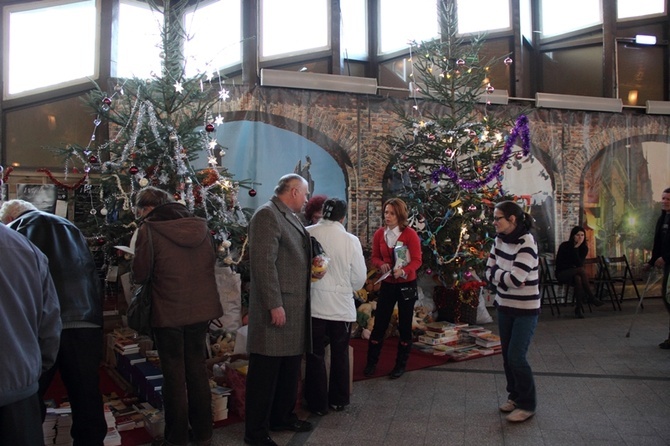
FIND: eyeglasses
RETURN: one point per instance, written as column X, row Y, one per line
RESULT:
column 497, row 219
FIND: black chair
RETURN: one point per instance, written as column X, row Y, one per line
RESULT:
column 547, row 284
column 596, row 270
column 616, row 270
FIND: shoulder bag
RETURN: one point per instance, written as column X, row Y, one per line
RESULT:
column 139, row 310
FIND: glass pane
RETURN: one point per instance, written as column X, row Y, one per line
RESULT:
column 354, row 18
column 400, row 22
column 637, row 8
column 49, row 45
column 482, row 15
column 215, row 34
column 560, row 17
column 294, row 26
column 31, row 131
column 561, row 68
column 139, row 40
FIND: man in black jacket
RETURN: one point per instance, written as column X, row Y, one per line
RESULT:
column 660, row 254
column 79, row 289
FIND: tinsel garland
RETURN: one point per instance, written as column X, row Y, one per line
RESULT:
column 520, row 130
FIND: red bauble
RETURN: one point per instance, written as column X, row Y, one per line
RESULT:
column 93, row 159
column 100, row 241
column 209, row 128
column 107, row 101
column 252, row 192
column 133, row 170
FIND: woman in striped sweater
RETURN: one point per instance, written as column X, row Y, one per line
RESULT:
column 512, row 268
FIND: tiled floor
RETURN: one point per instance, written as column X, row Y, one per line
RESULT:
column 595, row 387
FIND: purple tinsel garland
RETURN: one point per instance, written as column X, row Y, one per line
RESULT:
column 520, row 130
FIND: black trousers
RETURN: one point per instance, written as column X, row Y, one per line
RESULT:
column 271, row 394
column 21, row 424
column 78, row 361
column 389, row 294
column 319, row 389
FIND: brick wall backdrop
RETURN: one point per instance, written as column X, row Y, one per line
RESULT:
column 349, row 127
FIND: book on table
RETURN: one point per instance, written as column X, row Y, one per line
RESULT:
column 488, row 340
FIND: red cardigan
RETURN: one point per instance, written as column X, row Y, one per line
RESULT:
column 382, row 254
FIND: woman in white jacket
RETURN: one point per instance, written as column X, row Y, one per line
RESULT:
column 333, row 310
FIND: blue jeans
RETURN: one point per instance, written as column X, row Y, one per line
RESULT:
column 186, row 395
column 516, row 333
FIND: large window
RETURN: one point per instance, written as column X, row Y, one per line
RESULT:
column 476, row 16
column 138, row 40
column 401, row 22
column 49, row 44
column 560, row 17
column 290, row 27
column 354, row 22
column 214, row 37
column 636, row 8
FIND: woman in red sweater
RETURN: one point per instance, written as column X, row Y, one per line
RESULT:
column 396, row 253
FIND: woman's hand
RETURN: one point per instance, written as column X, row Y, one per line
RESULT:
column 385, row 268
column 399, row 273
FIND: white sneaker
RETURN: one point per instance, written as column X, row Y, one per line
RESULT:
column 519, row 415
column 508, row 406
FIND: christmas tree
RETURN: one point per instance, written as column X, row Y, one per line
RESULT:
column 162, row 128
column 452, row 154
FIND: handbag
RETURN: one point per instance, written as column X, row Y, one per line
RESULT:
column 317, row 249
column 139, row 310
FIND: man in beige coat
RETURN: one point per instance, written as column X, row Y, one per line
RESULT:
column 279, row 313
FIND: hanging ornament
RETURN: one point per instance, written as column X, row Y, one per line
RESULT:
column 93, row 159
column 106, row 102
column 429, row 271
column 489, row 89
column 508, row 61
column 252, row 192
column 412, row 169
column 472, row 208
column 460, row 62
column 133, row 170
column 519, row 155
column 93, row 212
column 143, row 182
column 209, row 127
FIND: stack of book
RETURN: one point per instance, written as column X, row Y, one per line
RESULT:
column 220, row 402
column 126, row 346
column 438, row 333
column 488, row 340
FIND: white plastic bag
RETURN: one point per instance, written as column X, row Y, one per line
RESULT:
column 483, row 316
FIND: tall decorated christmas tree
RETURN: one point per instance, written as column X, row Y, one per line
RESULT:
column 453, row 152
column 162, row 133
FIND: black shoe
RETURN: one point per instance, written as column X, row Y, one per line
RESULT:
column 337, row 407
column 370, row 369
column 578, row 313
column 296, row 426
column 665, row 345
column 267, row 441
column 397, row 372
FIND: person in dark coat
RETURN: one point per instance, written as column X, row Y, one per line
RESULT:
column 181, row 250
column 279, row 312
column 79, row 289
column 660, row 254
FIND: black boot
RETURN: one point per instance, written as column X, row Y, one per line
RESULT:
column 374, row 349
column 579, row 314
column 401, row 360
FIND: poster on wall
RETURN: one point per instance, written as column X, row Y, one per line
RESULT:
column 46, row 197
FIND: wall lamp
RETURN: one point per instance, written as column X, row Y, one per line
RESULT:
column 573, row 102
column 318, row 81
column 658, row 108
column 500, row 97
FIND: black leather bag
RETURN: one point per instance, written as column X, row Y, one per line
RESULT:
column 139, row 310
column 317, row 249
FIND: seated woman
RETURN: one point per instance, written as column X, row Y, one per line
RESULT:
column 570, row 269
